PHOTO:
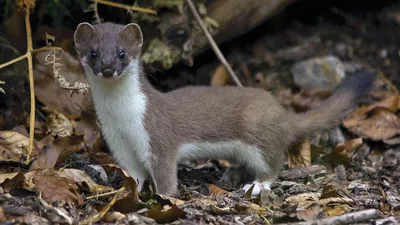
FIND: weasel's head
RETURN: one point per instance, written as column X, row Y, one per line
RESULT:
column 108, row 50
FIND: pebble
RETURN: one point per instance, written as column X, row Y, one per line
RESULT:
column 97, row 173
column 320, row 72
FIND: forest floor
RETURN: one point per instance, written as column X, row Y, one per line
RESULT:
column 355, row 168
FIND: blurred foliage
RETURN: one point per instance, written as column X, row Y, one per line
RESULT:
column 53, row 12
column 5, row 9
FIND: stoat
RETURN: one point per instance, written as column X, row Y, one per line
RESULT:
column 148, row 131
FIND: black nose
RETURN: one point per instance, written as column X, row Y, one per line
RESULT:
column 107, row 72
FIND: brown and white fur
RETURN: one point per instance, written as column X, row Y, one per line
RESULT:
column 148, row 131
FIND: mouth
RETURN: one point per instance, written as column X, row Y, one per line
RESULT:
column 109, row 75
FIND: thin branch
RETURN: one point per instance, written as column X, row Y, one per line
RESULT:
column 25, row 55
column 128, row 7
column 102, row 211
column 213, row 44
column 31, row 84
column 58, row 211
column 13, row 61
column 349, row 218
column 103, row 194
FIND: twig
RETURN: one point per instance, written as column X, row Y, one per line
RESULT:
column 128, row 7
column 58, row 211
column 264, row 218
column 103, row 211
column 31, row 84
column 349, row 218
column 28, row 56
column 25, row 55
column 103, row 194
column 13, row 61
column 213, row 44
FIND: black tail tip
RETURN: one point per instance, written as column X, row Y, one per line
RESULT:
column 359, row 83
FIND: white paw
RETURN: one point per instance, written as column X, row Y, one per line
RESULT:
column 258, row 187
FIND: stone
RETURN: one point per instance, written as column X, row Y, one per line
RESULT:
column 97, row 173
column 319, row 73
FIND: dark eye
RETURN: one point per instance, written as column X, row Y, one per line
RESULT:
column 93, row 54
column 122, row 55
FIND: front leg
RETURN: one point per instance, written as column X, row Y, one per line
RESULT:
column 165, row 175
column 137, row 172
column 127, row 159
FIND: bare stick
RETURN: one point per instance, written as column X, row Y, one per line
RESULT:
column 98, row 216
column 213, row 44
column 103, row 194
column 128, row 7
column 349, row 218
column 26, row 55
column 12, row 61
column 31, row 84
column 58, row 211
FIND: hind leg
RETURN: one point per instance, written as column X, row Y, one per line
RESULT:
column 238, row 173
column 264, row 183
column 266, row 177
column 261, row 180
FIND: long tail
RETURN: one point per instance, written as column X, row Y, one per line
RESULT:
column 344, row 100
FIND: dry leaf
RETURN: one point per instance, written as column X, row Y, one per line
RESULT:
column 57, row 151
column 98, row 216
column 101, row 158
column 337, row 210
column 128, row 202
column 382, row 124
column 248, row 195
column 129, row 182
column 165, row 214
column 9, row 181
column 224, row 163
column 301, row 156
column 54, row 188
column 71, row 105
column 7, row 176
column 88, row 128
column 215, row 190
column 220, row 76
column 59, row 125
column 28, row 4
column 2, row 216
column 14, row 146
column 303, row 200
column 220, row 211
column 310, row 213
column 172, row 200
column 342, row 153
column 52, row 182
column 378, row 122
column 83, row 178
column 112, row 217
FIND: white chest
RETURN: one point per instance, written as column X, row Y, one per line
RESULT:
column 121, row 107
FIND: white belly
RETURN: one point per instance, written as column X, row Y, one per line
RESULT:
column 234, row 151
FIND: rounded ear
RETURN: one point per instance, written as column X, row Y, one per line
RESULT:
column 133, row 34
column 84, row 32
